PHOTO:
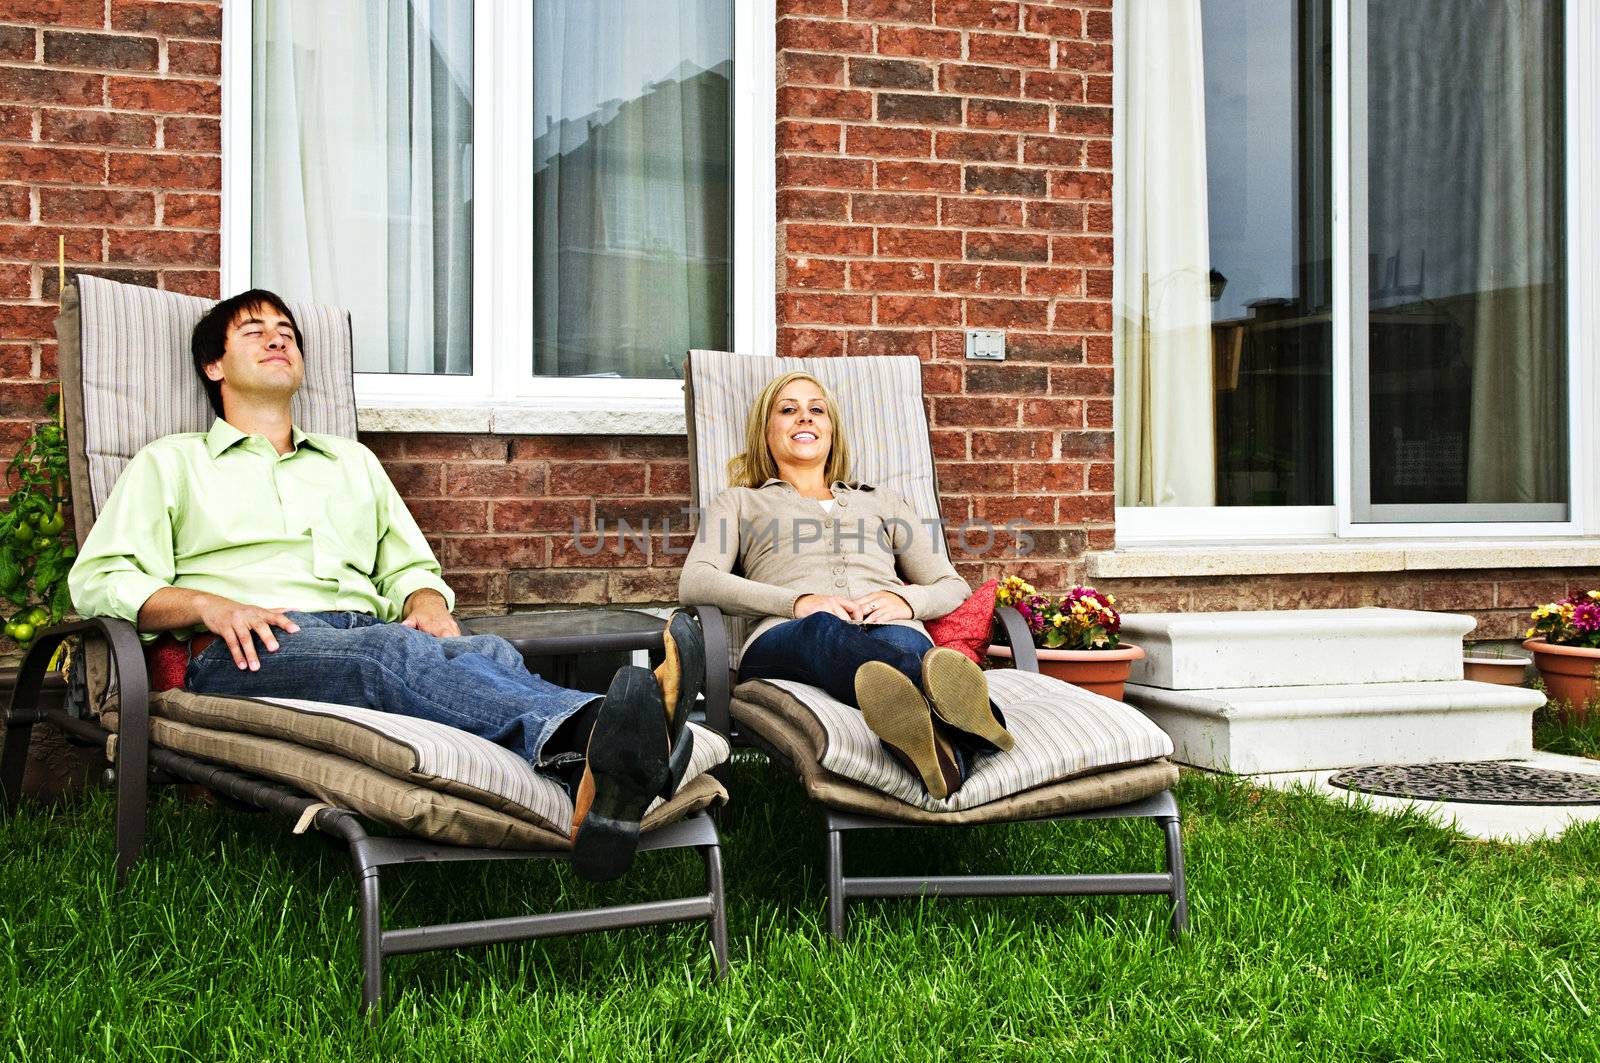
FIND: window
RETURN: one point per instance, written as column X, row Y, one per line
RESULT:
column 1343, row 268
column 531, row 201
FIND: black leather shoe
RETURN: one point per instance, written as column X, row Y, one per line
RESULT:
column 682, row 674
column 627, row 767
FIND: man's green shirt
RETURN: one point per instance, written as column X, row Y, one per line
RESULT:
column 318, row 528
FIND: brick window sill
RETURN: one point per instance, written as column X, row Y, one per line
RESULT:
column 527, row 418
column 1329, row 556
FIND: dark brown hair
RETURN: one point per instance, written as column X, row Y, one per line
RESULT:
column 210, row 337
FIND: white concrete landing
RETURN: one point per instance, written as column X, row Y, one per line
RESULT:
column 1508, row 823
column 1295, row 647
column 1277, row 729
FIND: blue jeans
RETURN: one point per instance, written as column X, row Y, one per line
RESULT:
column 821, row 650
column 475, row 682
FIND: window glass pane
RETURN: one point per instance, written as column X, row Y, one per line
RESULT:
column 1270, row 219
column 1466, row 326
column 1223, row 256
column 632, row 154
column 362, row 171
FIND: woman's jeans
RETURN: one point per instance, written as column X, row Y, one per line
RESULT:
column 821, row 650
column 475, row 682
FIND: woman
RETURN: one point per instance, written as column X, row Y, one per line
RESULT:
column 841, row 575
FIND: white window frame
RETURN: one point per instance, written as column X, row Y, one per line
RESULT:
column 502, row 392
column 1158, row 524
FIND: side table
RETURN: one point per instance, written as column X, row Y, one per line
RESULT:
column 576, row 648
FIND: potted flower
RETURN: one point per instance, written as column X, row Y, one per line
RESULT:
column 1075, row 635
column 1565, row 640
column 1499, row 667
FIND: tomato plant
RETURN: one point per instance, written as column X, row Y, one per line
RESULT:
column 35, row 553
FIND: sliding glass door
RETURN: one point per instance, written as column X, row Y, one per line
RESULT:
column 1341, row 266
column 1458, row 261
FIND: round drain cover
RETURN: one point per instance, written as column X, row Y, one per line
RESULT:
column 1487, row 782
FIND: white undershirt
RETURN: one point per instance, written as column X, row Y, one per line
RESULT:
column 825, row 503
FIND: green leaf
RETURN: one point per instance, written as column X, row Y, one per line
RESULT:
column 46, row 571
column 60, row 602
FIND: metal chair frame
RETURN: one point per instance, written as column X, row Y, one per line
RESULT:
column 842, row 888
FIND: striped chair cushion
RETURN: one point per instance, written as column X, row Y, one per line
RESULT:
column 138, row 380
column 419, row 752
column 1062, row 732
column 424, row 812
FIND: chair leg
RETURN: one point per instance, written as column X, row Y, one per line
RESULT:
column 132, row 781
column 835, row 868
column 14, row 761
column 717, row 923
column 371, row 947
column 1180, row 888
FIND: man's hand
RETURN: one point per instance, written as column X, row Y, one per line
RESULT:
column 880, row 607
column 239, row 625
column 843, row 608
column 427, row 612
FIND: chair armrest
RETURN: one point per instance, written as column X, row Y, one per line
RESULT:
column 1021, row 639
column 719, row 667
column 127, row 660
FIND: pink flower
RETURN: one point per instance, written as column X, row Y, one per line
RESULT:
column 1586, row 616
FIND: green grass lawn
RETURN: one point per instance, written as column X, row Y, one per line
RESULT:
column 1320, row 932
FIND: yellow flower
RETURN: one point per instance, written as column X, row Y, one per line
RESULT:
column 1059, row 620
column 1595, row 595
column 1529, row 633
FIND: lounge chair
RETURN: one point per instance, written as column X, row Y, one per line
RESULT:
column 1078, row 755
column 127, row 378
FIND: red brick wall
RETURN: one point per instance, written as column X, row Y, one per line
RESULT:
column 945, row 164
column 500, row 512
column 109, row 138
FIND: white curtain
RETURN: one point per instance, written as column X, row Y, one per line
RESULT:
column 631, row 184
column 362, row 160
column 1465, row 191
column 1165, row 436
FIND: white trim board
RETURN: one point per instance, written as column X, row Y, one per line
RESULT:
column 1326, row 556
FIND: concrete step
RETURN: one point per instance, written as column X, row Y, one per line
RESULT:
column 1295, row 648
column 1306, row 728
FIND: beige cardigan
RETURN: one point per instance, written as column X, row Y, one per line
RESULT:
column 784, row 545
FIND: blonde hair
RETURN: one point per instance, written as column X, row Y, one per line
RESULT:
column 756, row 465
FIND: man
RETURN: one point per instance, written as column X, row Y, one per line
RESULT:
column 297, row 569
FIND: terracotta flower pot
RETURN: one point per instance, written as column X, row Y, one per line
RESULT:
column 1504, row 671
column 1569, row 674
column 1102, row 671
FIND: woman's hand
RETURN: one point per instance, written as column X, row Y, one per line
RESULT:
column 880, row 607
column 843, row 608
